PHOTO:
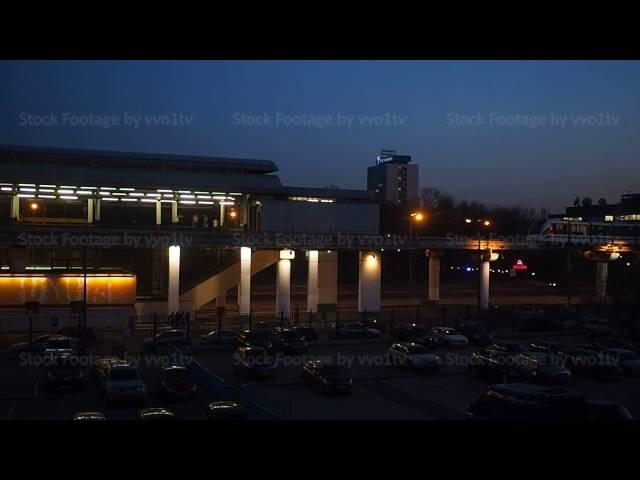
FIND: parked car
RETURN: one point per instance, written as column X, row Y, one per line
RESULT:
column 326, row 378
column 413, row 356
column 290, row 341
column 409, row 332
column 254, row 338
column 355, row 331
column 627, row 360
column 64, row 372
column 476, row 333
column 41, row 343
column 588, row 363
column 89, row 416
column 542, row 367
column 507, row 348
column 309, row 334
column 448, row 337
column 88, row 334
column 497, row 367
column 521, row 401
column 120, row 381
column 597, row 327
column 221, row 337
column 176, row 381
column 156, row 415
column 254, row 362
column 605, row 410
column 163, row 341
column 546, row 347
column 226, row 411
column 59, row 344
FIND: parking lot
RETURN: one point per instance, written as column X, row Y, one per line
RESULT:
column 380, row 391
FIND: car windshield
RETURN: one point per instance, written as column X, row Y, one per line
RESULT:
column 124, row 374
column 417, row 349
column 59, row 344
column 332, row 370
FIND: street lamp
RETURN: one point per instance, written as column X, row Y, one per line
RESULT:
column 416, row 217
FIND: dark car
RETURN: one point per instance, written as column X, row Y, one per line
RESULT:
column 164, row 341
column 87, row 334
column 326, row 378
column 589, row 363
column 42, row 343
column 218, row 337
column 254, row 338
column 309, row 334
column 546, row 347
column 89, row 417
column 627, row 360
column 65, row 372
column 605, row 410
column 156, row 415
column 476, row 333
column 286, row 340
column 254, row 362
column 355, row 331
column 176, row 381
column 521, row 401
column 497, row 367
column 409, row 332
column 507, row 348
column 541, row 367
column 226, row 411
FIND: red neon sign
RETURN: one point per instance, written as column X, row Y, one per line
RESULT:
column 520, row 265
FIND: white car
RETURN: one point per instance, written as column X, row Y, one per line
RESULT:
column 414, row 356
column 448, row 337
column 122, row 382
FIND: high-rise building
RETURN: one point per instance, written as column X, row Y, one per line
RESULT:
column 393, row 179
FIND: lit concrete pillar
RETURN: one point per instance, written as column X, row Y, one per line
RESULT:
column 173, row 297
column 15, row 207
column 244, row 287
column 434, row 274
column 174, row 212
column 158, row 213
column 602, row 271
column 283, row 283
column 97, row 205
column 327, row 281
column 485, row 271
column 369, row 282
column 312, row 281
column 221, row 213
column 90, row 210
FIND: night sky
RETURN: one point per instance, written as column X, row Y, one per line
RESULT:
column 531, row 133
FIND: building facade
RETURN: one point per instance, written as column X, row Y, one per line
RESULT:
column 393, row 179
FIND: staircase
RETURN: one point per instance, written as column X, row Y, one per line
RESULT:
column 218, row 284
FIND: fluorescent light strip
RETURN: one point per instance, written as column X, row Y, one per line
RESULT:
column 167, row 201
column 165, row 191
column 26, row 195
column 65, row 191
column 187, row 196
column 218, row 193
column 227, row 203
column 46, row 196
column 48, row 186
column 120, row 194
column 108, row 188
column 189, row 202
column 80, row 192
column 105, row 194
column 7, row 189
column 8, row 184
column 156, row 195
column 127, row 189
column 46, row 190
column 219, row 198
column 168, row 195
column 67, row 186
column 202, row 193
column 148, row 200
column 89, row 188
column 235, row 193
column 184, row 191
column 26, row 185
column 136, row 194
column 68, row 197
column 111, row 199
column 204, row 197
column 205, row 203
column 129, row 199
column 27, row 189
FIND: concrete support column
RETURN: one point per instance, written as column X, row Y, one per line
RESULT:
column 173, row 296
column 369, row 282
column 312, row 281
column 174, row 212
column 327, row 281
column 90, row 210
column 602, row 271
column 244, row 287
column 221, row 213
column 15, row 207
column 283, row 283
column 158, row 212
column 434, row 274
column 97, row 204
column 485, row 271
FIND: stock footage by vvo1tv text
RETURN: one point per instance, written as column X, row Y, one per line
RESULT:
column 319, row 240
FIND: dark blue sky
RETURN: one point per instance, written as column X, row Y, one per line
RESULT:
column 424, row 109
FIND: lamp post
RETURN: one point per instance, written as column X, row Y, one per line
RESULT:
column 414, row 217
column 480, row 222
